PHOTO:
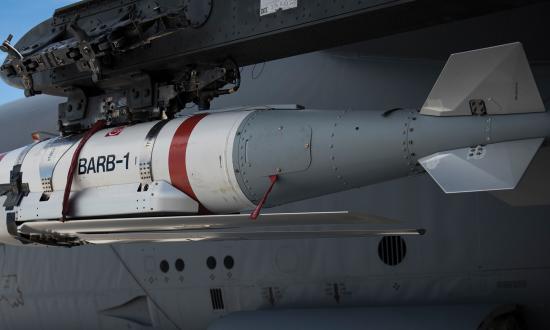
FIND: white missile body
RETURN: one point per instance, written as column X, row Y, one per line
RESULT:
column 469, row 137
column 123, row 161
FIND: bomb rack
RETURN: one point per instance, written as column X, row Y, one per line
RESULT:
column 126, row 61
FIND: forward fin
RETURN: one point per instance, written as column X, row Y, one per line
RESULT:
column 497, row 166
column 493, row 81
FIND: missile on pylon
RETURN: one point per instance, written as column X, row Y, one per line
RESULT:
column 479, row 129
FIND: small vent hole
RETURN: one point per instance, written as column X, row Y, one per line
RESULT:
column 180, row 265
column 392, row 250
column 164, row 266
column 211, row 263
column 217, row 299
column 229, row 262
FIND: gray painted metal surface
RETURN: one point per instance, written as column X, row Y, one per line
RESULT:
column 390, row 147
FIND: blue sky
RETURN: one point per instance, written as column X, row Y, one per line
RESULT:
column 17, row 17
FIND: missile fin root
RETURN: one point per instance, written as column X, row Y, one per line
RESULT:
column 497, row 166
column 495, row 80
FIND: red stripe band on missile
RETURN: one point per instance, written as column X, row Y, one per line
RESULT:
column 2, row 156
column 177, row 164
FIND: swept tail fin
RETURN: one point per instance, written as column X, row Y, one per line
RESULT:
column 489, row 81
column 495, row 80
column 497, row 166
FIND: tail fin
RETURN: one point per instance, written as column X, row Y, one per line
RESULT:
column 533, row 189
column 495, row 80
column 497, row 166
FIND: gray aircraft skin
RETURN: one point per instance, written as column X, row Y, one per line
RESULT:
column 482, row 252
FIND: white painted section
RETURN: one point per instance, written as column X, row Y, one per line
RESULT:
column 122, row 199
column 161, row 150
column 112, row 188
column 130, row 141
column 31, row 166
column 6, row 164
column 210, row 163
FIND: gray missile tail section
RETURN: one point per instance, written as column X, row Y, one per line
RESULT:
column 490, row 81
column 459, row 136
column 317, row 152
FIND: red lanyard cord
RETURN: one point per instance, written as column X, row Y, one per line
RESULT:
column 100, row 124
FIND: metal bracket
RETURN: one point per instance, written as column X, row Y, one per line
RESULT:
column 53, row 152
column 146, row 156
column 86, row 49
column 17, row 189
column 28, row 83
column 72, row 111
column 8, row 48
column 11, row 225
column 140, row 94
column 26, row 78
